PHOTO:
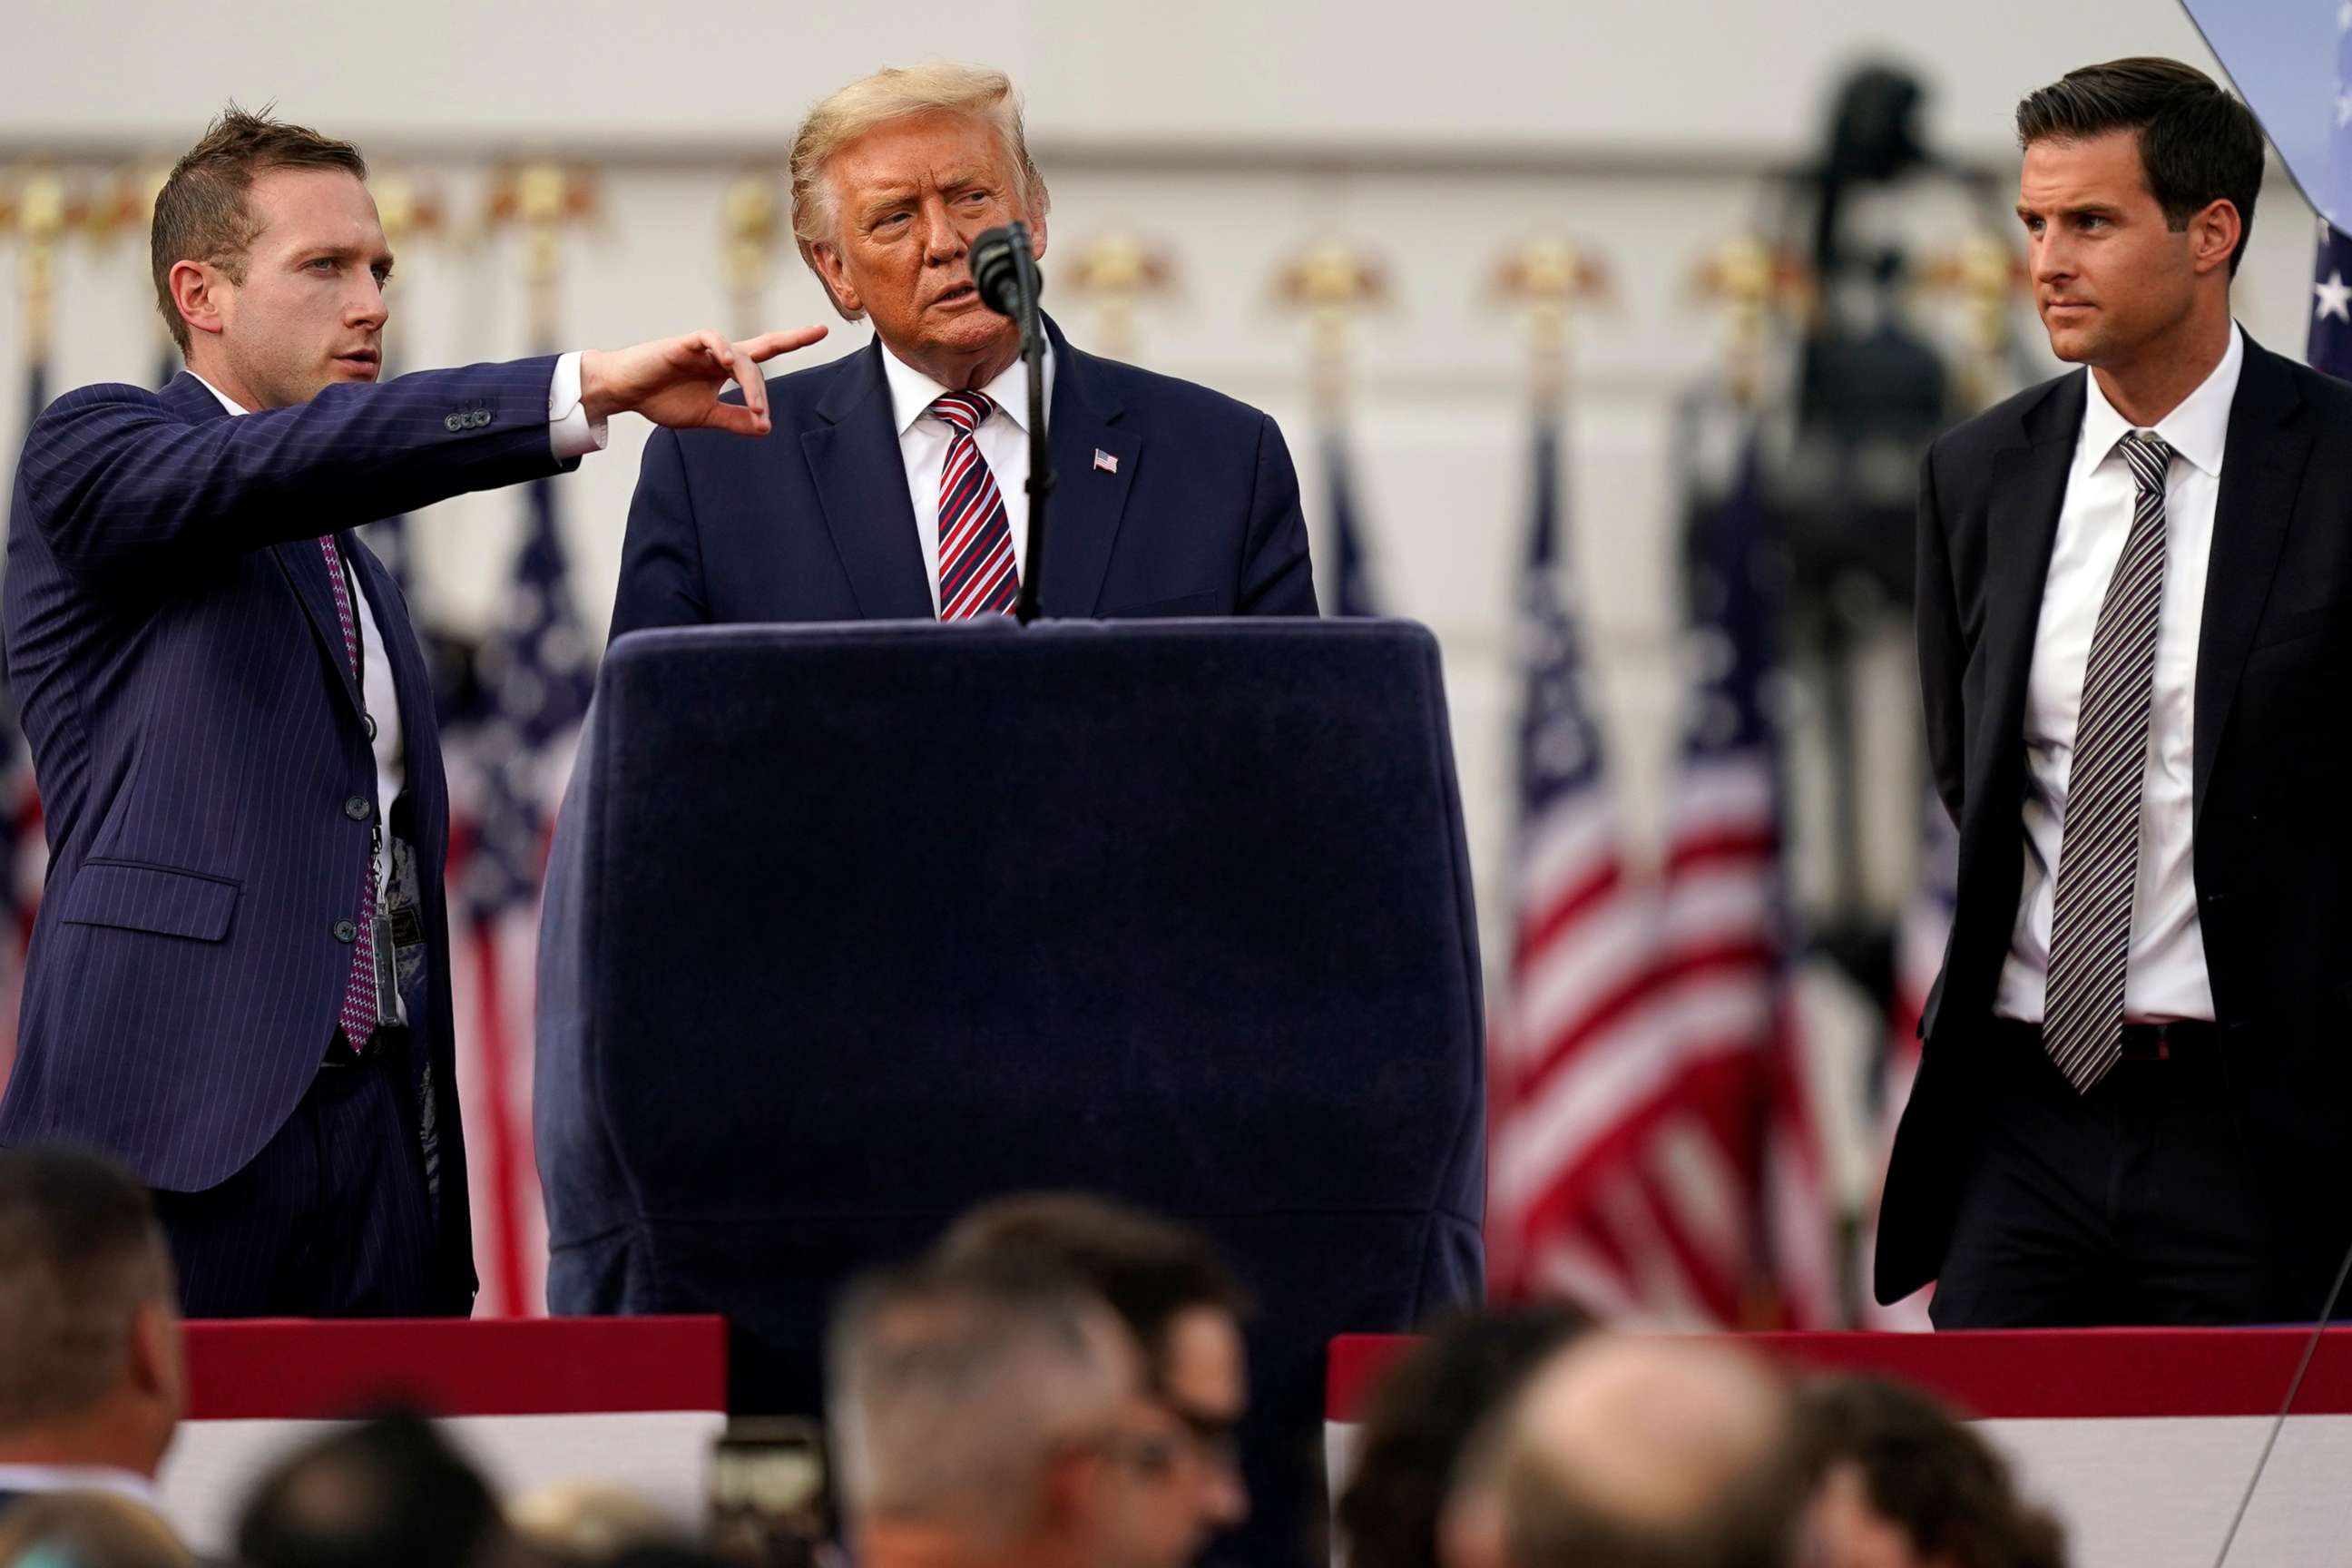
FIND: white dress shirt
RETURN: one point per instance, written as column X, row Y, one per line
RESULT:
column 570, row 433
column 1003, row 439
column 33, row 1480
column 2166, row 977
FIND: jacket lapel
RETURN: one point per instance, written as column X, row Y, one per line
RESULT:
column 412, row 685
column 2262, row 470
column 306, row 573
column 1083, row 513
column 861, row 481
column 2029, row 488
column 304, row 566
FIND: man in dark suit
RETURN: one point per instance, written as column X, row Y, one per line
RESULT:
column 897, row 491
column 239, row 983
column 2135, row 635
column 91, row 1384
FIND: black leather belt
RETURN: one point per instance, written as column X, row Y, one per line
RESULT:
column 2170, row 1041
column 341, row 1053
column 2190, row 1038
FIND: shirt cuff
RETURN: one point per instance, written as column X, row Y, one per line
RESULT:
column 570, row 432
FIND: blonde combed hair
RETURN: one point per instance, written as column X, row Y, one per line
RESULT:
column 900, row 92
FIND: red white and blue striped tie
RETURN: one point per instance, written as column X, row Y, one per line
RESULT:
column 977, row 575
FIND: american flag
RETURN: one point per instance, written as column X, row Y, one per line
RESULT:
column 1351, row 568
column 2330, row 348
column 1655, row 1157
column 24, row 842
column 537, row 675
column 1573, row 1050
column 1752, row 1217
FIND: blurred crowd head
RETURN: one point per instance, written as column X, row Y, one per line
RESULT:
column 90, row 1347
column 1059, row 1383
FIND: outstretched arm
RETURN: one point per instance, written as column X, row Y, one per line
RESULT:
column 116, row 483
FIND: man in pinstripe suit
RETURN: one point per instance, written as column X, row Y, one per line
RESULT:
column 239, row 983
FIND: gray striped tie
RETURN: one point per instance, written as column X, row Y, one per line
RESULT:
column 2098, row 846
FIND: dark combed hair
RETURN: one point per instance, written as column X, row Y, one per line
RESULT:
column 1146, row 1269
column 1929, row 1474
column 1422, row 1415
column 80, row 1253
column 388, row 1493
column 2197, row 145
column 202, row 215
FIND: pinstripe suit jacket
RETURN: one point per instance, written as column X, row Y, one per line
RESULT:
column 176, row 655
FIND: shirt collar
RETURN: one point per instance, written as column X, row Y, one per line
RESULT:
column 225, row 399
column 31, row 1479
column 2197, row 429
column 912, row 393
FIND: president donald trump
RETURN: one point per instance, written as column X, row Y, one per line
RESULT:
column 895, row 485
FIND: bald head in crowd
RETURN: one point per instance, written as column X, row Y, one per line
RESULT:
column 91, row 1382
column 988, row 1415
column 1638, row 1453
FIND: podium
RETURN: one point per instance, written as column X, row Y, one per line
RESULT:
column 850, row 928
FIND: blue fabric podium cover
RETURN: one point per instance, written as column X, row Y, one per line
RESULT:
column 849, row 928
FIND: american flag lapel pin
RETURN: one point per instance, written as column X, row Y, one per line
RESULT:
column 1104, row 462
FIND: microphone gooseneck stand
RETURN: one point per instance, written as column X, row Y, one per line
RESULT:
column 1041, row 456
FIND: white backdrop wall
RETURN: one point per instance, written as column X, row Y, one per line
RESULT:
column 1230, row 132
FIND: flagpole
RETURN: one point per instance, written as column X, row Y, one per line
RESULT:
column 751, row 221
column 40, row 211
column 507, row 863
column 1333, row 282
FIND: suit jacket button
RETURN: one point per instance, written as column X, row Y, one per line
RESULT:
column 346, row 931
column 481, row 417
column 452, row 422
column 359, row 808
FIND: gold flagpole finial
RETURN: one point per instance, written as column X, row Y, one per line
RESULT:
column 1332, row 281
column 407, row 210
column 539, row 198
column 1549, row 277
column 1988, row 276
column 751, row 224
column 40, row 209
column 1116, row 270
column 1754, row 283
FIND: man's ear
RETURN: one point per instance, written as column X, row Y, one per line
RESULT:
column 2214, row 235
column 203, row 293
column 836, row 278
column 156, row 1370
column 1038, row 238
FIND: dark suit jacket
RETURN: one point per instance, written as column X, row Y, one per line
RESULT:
column 2272, row 855
column 177, row 658
column 814, row 524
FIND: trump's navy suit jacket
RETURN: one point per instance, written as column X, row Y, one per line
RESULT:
column 177, row 661
column 1194, row 510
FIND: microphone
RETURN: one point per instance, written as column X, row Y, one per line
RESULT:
column 1001, row 264
column 1005, row 274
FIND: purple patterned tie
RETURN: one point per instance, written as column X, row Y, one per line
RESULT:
column 977, row 576
column 359, row 1013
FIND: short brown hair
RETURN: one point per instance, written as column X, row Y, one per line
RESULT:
column 1149, row 1270
column 1427, row 1414
column 1928, row 1474
column 2197, row 145
column 80, row 1253
column 201, row 213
